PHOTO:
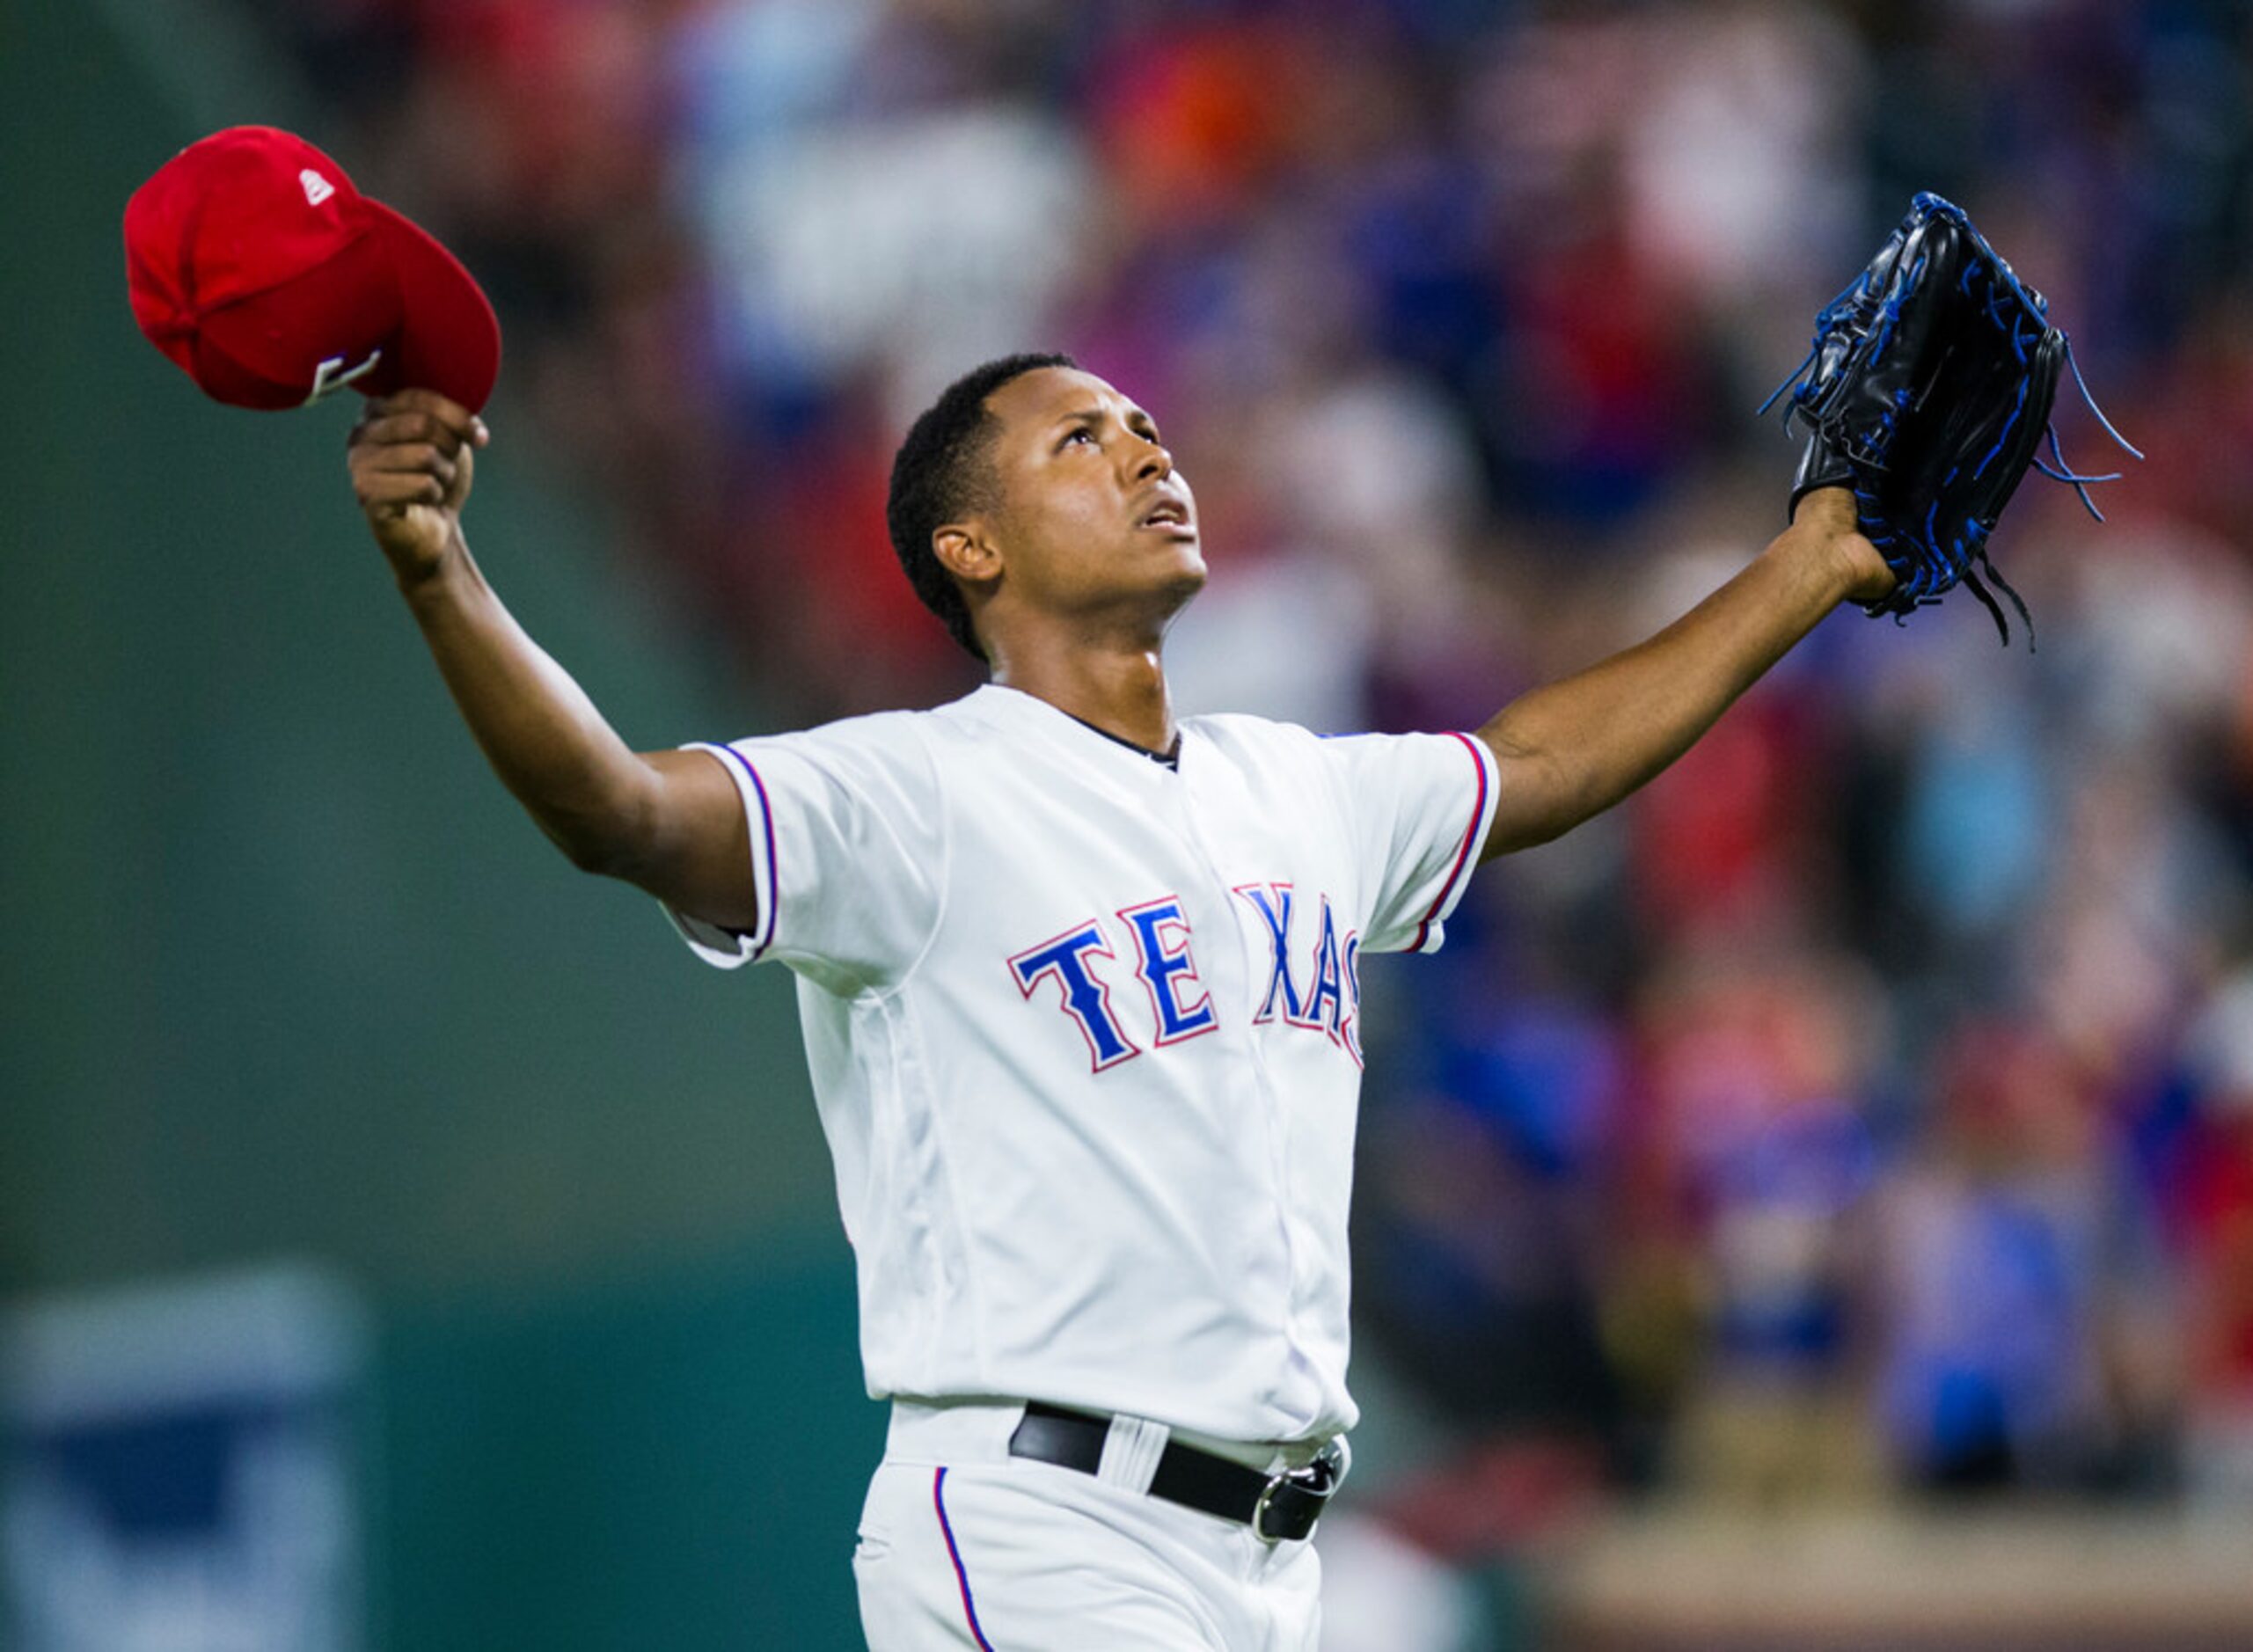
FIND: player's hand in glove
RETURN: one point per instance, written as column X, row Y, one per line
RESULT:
column 411, row 457
column 1926, row 396
column 1828, row 513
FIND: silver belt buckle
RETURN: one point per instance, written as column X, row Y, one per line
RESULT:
column 1320, row 1476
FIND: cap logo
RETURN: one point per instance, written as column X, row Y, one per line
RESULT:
column 317, row 187
column 333, row 376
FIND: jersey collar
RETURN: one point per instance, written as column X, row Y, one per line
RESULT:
column 1015, row 707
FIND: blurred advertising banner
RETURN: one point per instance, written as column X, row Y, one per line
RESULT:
column 179, row 1469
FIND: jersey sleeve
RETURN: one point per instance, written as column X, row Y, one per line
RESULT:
column 1420, row 806
column 847, row 841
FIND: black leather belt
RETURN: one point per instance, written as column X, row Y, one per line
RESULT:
column 1279, row 1508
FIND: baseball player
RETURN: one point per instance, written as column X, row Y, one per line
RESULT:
column 1081, row 988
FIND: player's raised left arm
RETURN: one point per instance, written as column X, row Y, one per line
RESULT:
column 1571, row 749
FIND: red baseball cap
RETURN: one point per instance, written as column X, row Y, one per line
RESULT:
column 257, row 266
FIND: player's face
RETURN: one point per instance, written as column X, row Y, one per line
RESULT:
column 1093, row 516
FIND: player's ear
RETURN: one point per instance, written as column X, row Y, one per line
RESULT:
column 965, row 551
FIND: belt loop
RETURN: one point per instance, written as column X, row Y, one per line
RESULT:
column 1131, row 1449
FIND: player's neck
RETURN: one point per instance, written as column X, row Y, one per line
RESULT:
column 1121, row 692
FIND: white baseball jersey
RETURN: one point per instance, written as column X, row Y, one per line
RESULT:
column 1084, row 1034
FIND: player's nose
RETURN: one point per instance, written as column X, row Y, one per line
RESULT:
column 1151, row 463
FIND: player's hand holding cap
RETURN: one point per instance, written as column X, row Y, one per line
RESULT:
column 257, row 266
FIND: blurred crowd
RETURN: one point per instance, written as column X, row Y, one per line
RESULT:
column 1864, row 1110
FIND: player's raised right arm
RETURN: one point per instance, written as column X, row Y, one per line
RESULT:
column 669, row 822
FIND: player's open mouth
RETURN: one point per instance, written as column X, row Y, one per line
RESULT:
column 1171, row 516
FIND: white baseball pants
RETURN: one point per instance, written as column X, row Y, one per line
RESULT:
column 964, row 1546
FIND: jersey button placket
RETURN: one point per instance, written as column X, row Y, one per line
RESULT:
column 1269, row 1091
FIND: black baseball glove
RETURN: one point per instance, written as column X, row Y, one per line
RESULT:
column 1927, row 393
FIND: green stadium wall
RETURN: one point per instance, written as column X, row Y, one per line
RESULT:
column 287, row 975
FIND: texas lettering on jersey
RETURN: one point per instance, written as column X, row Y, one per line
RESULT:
column 1317, row 986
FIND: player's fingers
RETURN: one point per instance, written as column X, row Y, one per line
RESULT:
column 377, row 431
column 395, row 484
column 464, row 424
column 398, row 488
column 407, row 458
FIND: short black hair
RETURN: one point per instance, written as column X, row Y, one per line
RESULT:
column 940, row 473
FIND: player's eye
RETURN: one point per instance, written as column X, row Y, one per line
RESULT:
column 1078, row 432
